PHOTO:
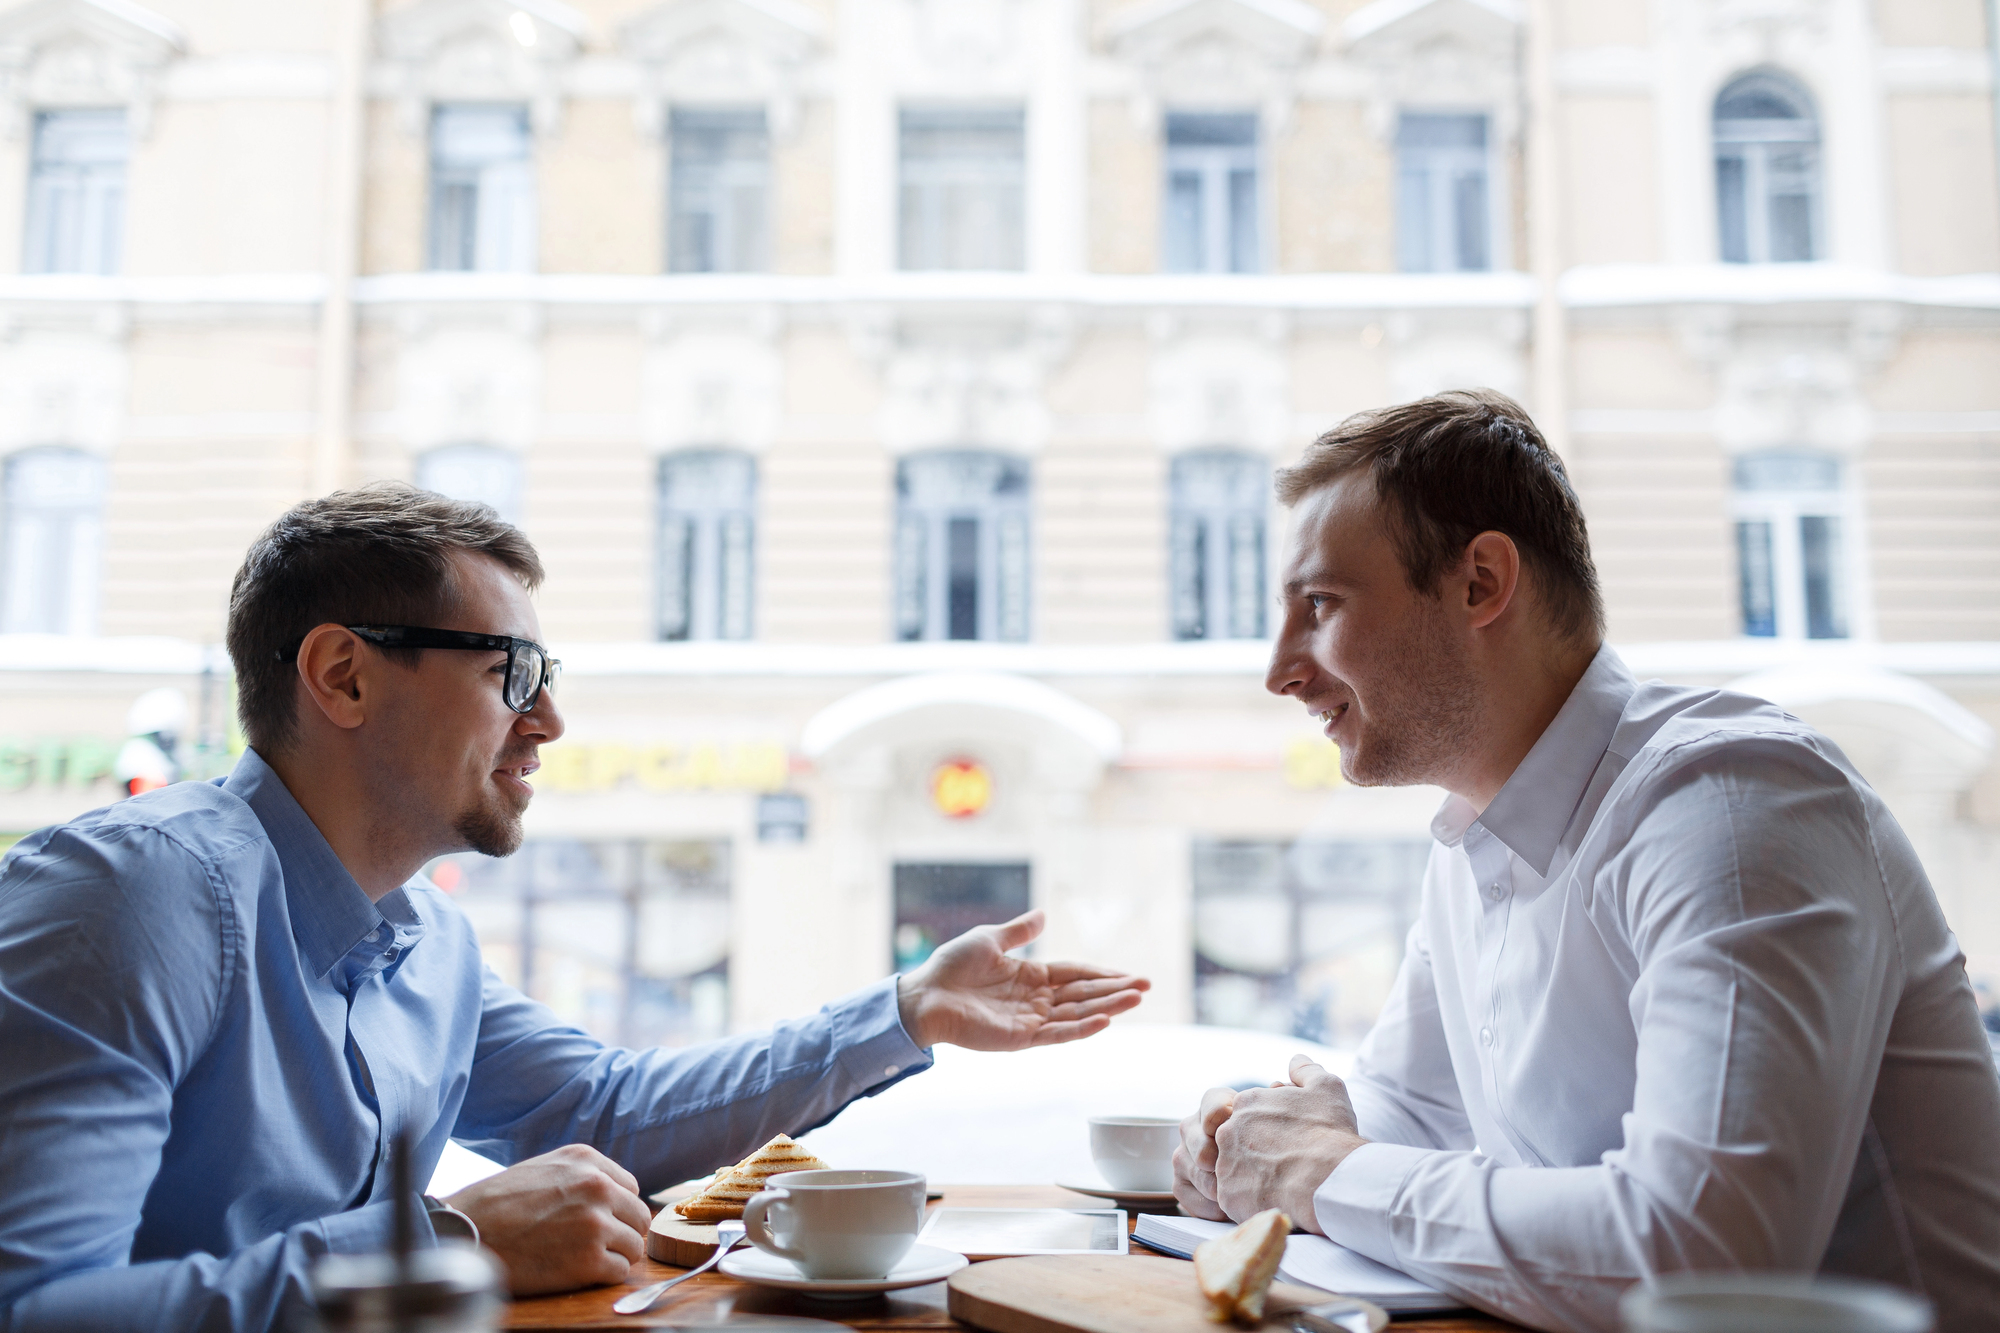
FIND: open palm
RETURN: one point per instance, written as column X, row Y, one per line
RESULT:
column 972, row 993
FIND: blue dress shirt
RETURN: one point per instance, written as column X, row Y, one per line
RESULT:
column 209, row 1037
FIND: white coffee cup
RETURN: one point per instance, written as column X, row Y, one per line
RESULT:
column 1135, row 1152
column 837, row 1224
column 1770, row 1303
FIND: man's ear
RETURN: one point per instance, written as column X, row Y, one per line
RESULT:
column 1491, row 573
column 331, row 667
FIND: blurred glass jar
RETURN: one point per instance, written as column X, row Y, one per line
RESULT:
column 453, row 1288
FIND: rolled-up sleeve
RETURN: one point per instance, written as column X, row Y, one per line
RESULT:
column 671, row 1114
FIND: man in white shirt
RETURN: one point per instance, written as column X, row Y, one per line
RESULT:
column 1678, row 996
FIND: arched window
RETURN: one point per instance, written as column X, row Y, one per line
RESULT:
column 1794, row 526
column 708, row 528
column 53, row 500
column 474, row 472
column 1766, row 171
column 1221, row 500
column 962, row 546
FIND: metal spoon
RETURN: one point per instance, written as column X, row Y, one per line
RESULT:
column 640, row 1301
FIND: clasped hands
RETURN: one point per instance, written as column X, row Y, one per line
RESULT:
column 1243, row 1152
column 573, row 1217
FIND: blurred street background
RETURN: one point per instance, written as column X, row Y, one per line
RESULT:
column 893, row 389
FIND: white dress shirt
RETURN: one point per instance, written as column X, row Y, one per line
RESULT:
column 1681, row 998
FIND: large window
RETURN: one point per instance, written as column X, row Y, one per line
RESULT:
column 962, row 198
column 718, row 195
column 1794, row 523
column 482, row 189
column 1444, row 212
column 474, row 472
column 1301, row 938
column 708, row 528
column 938, row 903
column 628, row 940
column 1766, row 171
column 1211, row 203
column 53, row 505
column 1221, row 501
column 962, row 546
column 76, row 193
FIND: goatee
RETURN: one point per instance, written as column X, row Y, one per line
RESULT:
column 489, row 832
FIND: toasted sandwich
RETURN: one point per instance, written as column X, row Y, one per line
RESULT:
column 725, row 1196
column 1235, row 1269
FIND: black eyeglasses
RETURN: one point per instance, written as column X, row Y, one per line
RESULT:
column 530, row 669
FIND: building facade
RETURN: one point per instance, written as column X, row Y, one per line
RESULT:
column 893, row 389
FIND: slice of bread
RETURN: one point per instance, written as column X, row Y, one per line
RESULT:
column 1235, row 1269
column 726, row 1194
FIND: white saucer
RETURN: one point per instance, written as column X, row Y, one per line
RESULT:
column 1124, row 1198
column 923, row 1264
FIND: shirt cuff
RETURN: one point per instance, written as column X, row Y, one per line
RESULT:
column 869, row 1041
column 371, row 1229
column 1354, row 1204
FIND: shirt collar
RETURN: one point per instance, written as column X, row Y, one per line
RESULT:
column 330, row 914
column 1535, row 806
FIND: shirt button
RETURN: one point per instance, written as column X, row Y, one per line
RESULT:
column 1496, row 893
column 890, row 1071
column 1486, row 1036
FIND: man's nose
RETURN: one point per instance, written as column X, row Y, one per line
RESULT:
column 544, row 722
column 1290, row 666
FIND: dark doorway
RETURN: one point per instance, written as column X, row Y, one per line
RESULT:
column 935, row 903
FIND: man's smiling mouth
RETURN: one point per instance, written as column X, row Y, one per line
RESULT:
column 1327, row 717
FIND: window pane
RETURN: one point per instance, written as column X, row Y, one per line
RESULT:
column 1012, row 556
column 1758, row 584
column 718, row 195
column 482, row 189
column 1731, row 219
column 1243, row 221
column 1221, row 498
column 1183, row 244
column 963, row 546
column 962, row 200
column 1413, row 218
column 1442, row 217
column 911, row 568
column 1826, row 590
column 76, row 193
column 53, row 516
column 1187, row 556
column 1766, row 171
column 676, row 571
column 708, row 541
column 962, row 578
column 1472, row 223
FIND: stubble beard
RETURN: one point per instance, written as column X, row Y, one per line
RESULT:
column 488, row 831
column 1417, row 732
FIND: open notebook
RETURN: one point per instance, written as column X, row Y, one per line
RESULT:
column 1310, row 1261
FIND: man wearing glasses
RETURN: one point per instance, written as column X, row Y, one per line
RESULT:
column 221, row 1003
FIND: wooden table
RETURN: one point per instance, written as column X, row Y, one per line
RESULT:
column 711, row 1297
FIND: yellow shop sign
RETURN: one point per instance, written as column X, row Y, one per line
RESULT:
column 665, row 767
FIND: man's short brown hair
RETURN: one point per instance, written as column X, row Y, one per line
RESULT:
column 1449, row 467
column 376, row 555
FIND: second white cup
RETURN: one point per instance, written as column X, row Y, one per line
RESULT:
column 837, row 1224
column 1135, row 1152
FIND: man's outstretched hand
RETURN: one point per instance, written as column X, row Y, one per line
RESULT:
column 970, row 993
column 569, row 1218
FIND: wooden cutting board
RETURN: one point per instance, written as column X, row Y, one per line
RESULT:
column 677, row 1241
column 1093, row 1293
